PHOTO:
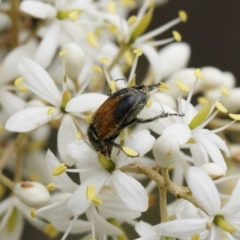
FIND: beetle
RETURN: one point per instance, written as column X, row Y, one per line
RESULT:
column 118, row 112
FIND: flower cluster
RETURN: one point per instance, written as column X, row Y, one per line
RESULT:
column 85, row 156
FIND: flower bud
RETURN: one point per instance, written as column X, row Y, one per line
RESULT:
column 73, row 58
column 213, row 170
column 33, row 194
column 166, row 150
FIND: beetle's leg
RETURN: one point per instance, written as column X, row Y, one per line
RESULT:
column 162, row 115
column 118, row 79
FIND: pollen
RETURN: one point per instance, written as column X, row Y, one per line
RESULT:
column 235, row 117
column 92, row 40
column 183, row 16
column 97, row 69
column 177, row 36
column 131, row 20
column 78, row 135
column 112, row 85
column 130, row 152
column 51, row 231
column 51, row 111
column 62, row 53
column 182, row 86
column 220, row 107
column 60, row 169
column 88, row 118
column 33, row 213
column 138, row 52
column 149, row 103
column 111, row 7
column 104, row 60
column 73, row 15
column 91, row 195
column 224, row 92
column 198, row 74
column 203, row 100
column 18, row 81
column 163, row 87
column 50, row 186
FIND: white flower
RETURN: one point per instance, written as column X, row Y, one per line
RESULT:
column 39, row 82
column 216, row 221
column 129, row 190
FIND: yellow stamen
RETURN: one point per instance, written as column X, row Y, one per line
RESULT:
column 195, row 237
column 131, row 20
column 33, row 213
column 97, row 201
column 18, row 81
column 22, row 88
column 177, row 36
column 128, row 3
column 78, row 135
column 132, row 81
column 198, row 73
column 111, row 7
column 163, row 87
column 97, row 69
column 104, row 60
column 60, row 169
column 112, row 85
column 62, row 53
column 149, row 103
column 224, row 91
column 90, row 192
column 235, row 117
column 88, row 118
column 66, row 97
column 138, row 52
column 50, row 231
column 220, row 107
column 182, row 86
column 73, row 15
column 183, row 16
column 130, row 152
column 112, row 28
column 50, row 186
column 92, row 40
column 203, row 100
column 128, row 56
column 51, row 111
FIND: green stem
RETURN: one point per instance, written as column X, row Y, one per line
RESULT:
column 14, row 13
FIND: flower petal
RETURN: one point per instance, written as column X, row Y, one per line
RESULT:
column 39, row 82
column 8, row 69
column 66, row 135
column 86, row 102
column 48, row 46
column 78, row 202
column 38, row 9
column 28, row 119
column 63, row 181
column 233, row 204
column 204, row 190
column 181, row 228
column 130, row 191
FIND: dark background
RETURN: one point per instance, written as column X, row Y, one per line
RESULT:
column 213, row 32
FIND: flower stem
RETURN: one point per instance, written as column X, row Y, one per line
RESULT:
column 6, row 181
column 163, row 196
column 178, row 191
column 100, row 82
column 14, row 13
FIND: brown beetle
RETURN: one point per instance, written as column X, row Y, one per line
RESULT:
column 118, row 112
